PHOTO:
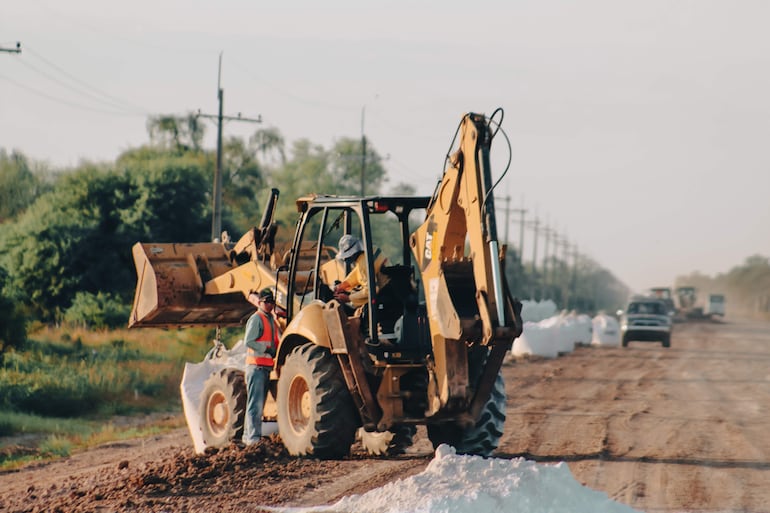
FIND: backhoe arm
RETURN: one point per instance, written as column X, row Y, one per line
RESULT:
column 467, row 297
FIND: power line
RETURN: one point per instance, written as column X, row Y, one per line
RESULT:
column 85, row 84
column 62, row 101
column 76, row 90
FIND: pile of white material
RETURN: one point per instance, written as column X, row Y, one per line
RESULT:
column 553, row 336
column 472, row 484
column 536, row 311
column 606, row 331
column 572, row 329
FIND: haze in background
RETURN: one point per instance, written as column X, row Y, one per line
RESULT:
column 639, row 129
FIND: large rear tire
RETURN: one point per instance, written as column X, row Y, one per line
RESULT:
column 483, row 437
column 223, row 405
column 388, row 443
column 316, row 416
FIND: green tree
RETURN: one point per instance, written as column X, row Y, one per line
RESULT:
column 403, row 189
column 77, row 238
column 243, row 181
column 98, row 311
column 748, row 286
column 306, row 172
column 178, row 133
column 271, row 145
column 167, row 198
column 63, row 243
column 19, row 186
column 347, row 163
column 12, row 320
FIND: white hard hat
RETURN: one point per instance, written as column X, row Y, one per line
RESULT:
column 349, row 246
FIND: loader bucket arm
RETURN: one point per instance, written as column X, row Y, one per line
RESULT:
column 467, row 298
column 170, row 283
column 206, row 283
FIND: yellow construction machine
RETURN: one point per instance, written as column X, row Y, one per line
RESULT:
column 425, row 349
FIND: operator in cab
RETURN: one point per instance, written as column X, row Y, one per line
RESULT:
column 354, row 289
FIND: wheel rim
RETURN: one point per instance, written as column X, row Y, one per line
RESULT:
column 299, row 405
column 217, row 413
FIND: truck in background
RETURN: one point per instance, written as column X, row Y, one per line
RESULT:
column 715, row 306
column 665, row 295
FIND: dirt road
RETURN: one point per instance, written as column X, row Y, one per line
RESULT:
column 678, row 429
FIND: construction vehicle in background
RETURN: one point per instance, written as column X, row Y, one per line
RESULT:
column 425, row 349
column 688, row 304
column 715, row 306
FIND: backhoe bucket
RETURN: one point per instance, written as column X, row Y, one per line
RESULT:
column 170, row 281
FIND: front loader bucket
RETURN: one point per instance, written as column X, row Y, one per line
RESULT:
column 170, row 281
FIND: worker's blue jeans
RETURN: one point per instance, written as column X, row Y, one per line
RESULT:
column 257, row 379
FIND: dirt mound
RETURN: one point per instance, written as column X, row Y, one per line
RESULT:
column 180, row 480
column 192, row 474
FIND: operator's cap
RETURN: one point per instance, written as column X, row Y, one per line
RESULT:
column 267, row 296
column 348, row 247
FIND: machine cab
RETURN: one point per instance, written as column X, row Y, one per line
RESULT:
column 382, row 225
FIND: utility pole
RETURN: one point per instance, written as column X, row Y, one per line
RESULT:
column 363, row 152
column 564, row 243
column 523, row 213
column 574, row 269
column 536, row 230
column 508, row 210
column 17, row 49
column 216, row 217
column 363, row 149
column 548, row 232
column 535, row 224
column 507, row 216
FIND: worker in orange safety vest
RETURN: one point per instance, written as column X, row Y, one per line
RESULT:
column 262, row 335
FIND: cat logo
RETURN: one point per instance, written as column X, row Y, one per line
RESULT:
column 432, row 228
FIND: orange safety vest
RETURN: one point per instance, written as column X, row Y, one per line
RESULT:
column 269, row 334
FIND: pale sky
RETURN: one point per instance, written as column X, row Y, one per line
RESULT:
column 639, row 129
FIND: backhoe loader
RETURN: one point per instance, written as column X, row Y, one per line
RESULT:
column 425, row 349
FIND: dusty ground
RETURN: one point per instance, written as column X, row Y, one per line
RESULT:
column 680, row 429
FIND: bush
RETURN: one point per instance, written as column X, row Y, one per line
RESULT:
column 48, row 393
column 56, row 446
column 13, row 331
column 97, row 311
column 71, row 379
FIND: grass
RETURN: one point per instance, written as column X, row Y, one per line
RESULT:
column 70, row 388
column 45, row 438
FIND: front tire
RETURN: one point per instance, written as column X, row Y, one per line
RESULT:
column 666, row 341
column 484, row 436
column 625, row 341
column 223, row 405
column 316, row 416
